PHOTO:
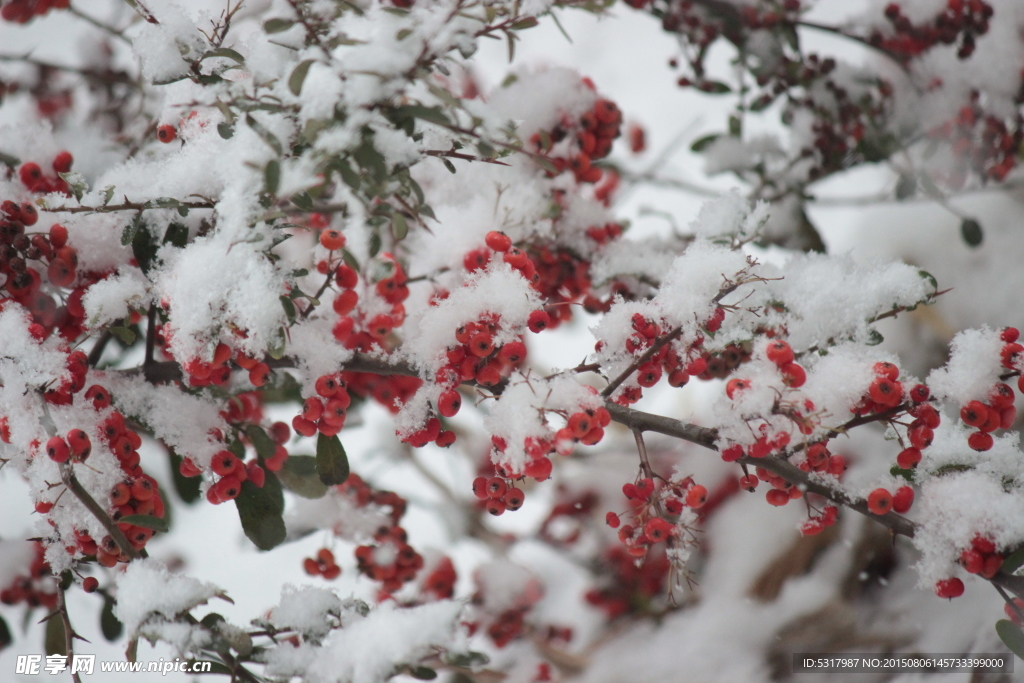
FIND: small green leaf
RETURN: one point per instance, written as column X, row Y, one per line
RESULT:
column 76, row 182
column 874, row 338
column 125, row 335
column 225, row 52
column 970, row 230
column 289, row 308
column 11, row 162
column 1012, row 636
column 212, row 620
column 272, row 26
column 375, row 244
column 54, row 639
column 225, row 130
column 264, row 445
column 524, row 23
column 298, row 76
column 714, row 87
column 1014, row 561
column 260, row 514
column 423, row 673
column 350, row 260
column 896, row 471
column 449, row 165
column 403, row 34
column 177, row 234
column 110, row 625
column 264, row 134
column 906, row 187
column 303, row 201
column 131, row 230
column 5, row 634
column 187, row 487
column 399, row 226
column 299, row 475
column 331, row 460
column 145, row 521
column 108, row 194
column 703, row 142
column 272, row 176
column 277, row 345
column 419, row 111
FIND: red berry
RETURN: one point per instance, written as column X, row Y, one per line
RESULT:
column 972, row 561
column 538, row 320
column 880, row 501
column 166, row 133
column 90, row 584
column 736, row 385
column 224, row 463
column 1009, row 335
column 732, row 453
column 657, row 529
column 902, row 499
column 498, row 241
column 949, row 588
column 62, row 162
column 919, row 393
column 228, row 488
column 779, row 352
column 777, row 497
column 696, row 496
column 887, row 371
column 513, row 352
column 494, row 507
column 58, row 449
column 513, row 499
column 449, row 402
column 480, row 488
column 496, row 487
column 538, row 469
column 612, row 520
column 974, row 413
column 980, row 441
column 332, row 239
column 793, row 375
column 908, row 458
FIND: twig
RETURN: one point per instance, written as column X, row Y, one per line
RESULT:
column 96, row 352
column 67, row 475
column 150, row 335
column 98, row 24
column 128, row 206
column 69, row 633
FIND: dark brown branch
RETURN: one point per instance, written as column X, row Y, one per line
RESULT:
column 69, row 633
column 127, row 206
column 67, row 475
column 96, row 352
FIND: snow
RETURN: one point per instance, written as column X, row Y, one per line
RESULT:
column 385, row 637
column 147, row 591
column 306, row 610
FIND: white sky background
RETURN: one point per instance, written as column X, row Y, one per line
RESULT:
column 625, row 54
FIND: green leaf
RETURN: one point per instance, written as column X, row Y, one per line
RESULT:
column 225, row 130
column 125, row 335
column 970, row 230
column 277, row 345
column 5, row 634
column 1012, row 636
column 145, row 521
column 931, row 278
column 703, row 142
column 260, row 513
column 524, row 23
column 144, row 245
column 714, row 87
column 76, row 182
column 177, row 234
column 298, row 76
column 108, row 194
column 272, row 26
column 212, row 620
column 12, row 162
column 350, row 260
column 791, row 36
column 486, row 150
column 264, row 445
column 403, row 34
column 54, row 639
column 131, row 230
column 289, row 308
column 1014, row 561
column 399, row 226
column 375, row 244
column 897, row 471
column 331, row 460
column 906, row 187
column 187, row 487
column 299, row 475
column 226, row 52
column 303, row 201
column 264, row 134
column 423, row 673
column 419, row 111
column 272, row 176
column 451, row 167
column 874, row 338
column 110, row 625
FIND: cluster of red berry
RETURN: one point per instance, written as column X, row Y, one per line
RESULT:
column 628, row 586
column 326, row 412
column 980, row 142
column 23, row 11
column 358, row 328
column 999, row 412
column 961, row 20
column 37, row 588
column 981, row 558
column 390, row 560
column 648, row 526
column 497, row 495
column 35, row 181
column 217, row 370
column 594, row 132
column 322, row 565
column 439, row 582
